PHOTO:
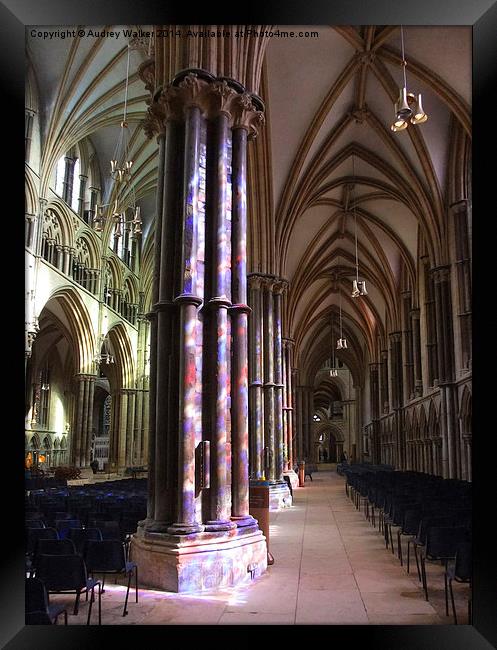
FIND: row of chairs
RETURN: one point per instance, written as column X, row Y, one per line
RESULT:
column 62, row 568
column 434, row 514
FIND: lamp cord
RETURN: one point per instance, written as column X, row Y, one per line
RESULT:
column 403, row 56
column 355, row 225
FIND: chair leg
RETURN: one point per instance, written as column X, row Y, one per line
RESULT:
column 91, row 604
column 391, row 541
column 408, row 553
column 399, row 547
column 136, row 583
column 423, row 575
column 103, row 583
column 446, row 595
column 417, row 561
column 125, row 610
column 76, row 604
column 99, row 605
column 452, row 601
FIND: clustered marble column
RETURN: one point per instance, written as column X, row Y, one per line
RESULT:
column 199, row 487
column 83, row 423
column 67, row 184
column 416, row 343
column 445, row 353
column 374, row 395
column 268, row 385
column 397, row 394
column 256, row 410
column 288, row 415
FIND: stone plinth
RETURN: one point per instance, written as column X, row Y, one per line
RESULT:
column 199, row 562
column 279, row 496
column 294, row 479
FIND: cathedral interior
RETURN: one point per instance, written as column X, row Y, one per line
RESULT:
column 248, row 266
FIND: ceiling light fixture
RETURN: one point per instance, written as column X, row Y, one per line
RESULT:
column 408, row 107
column 358, row 286
column 341, row 342
column 120, row 171
column 333, row 370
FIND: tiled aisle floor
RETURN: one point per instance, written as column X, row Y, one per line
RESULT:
column 331, row 567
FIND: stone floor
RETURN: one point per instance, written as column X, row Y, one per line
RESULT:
column 331, row 567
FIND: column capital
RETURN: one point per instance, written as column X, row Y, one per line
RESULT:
column 441, row 273
column 395, row 337
column 459, row 206
column 280, row 285
column 213, row 96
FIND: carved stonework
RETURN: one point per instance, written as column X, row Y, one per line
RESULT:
column 360, row 115
column 146, row 72
column 212, row 96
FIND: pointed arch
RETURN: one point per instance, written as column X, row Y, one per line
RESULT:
column 80, row 324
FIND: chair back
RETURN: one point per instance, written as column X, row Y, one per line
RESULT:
column 464, row 562
column 62, row 572
column 34, row 534
column 105, row 555
column 34, row 523
column 442, row 542
column 55, row 547
column 80, row 536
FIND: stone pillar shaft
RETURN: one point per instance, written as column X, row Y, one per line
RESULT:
column 239, row 334
column 268, row 356
column 256, row 379
column 188, row 302
column 279, row 385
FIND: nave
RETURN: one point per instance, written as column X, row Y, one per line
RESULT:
column 330, row 567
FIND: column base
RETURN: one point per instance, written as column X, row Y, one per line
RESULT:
column 219, row 525
column 294, row 479
column 184, row 529
column 199, row 562
column 247, row 520
column 279, row 496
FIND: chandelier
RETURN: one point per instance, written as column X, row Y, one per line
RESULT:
column 120, row 172
column 333, row 370
column 408, row 107
column 358, row 286
column 104, row 357
column 341, row 342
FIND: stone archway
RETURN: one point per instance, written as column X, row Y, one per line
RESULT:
column 328, row 442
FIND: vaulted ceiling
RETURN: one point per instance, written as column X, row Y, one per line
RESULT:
column 336, row 167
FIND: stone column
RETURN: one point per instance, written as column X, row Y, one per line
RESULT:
column 375, row 409
column 397, row 393
column 256, row 413
column 268, row 356
column 416, row 341
column 194, row 542
column 217, row 303
column 81, row 438
column 68, row 180
column 163, row 414
column 278, row 288
column 300, row 421
column 239, row 312
column 93, row 204
column 384, row 405
column 28, row 133
column 288, row 404
column 445, row 348
column 81, row 197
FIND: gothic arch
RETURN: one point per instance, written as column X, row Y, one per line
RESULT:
column 81, row 327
